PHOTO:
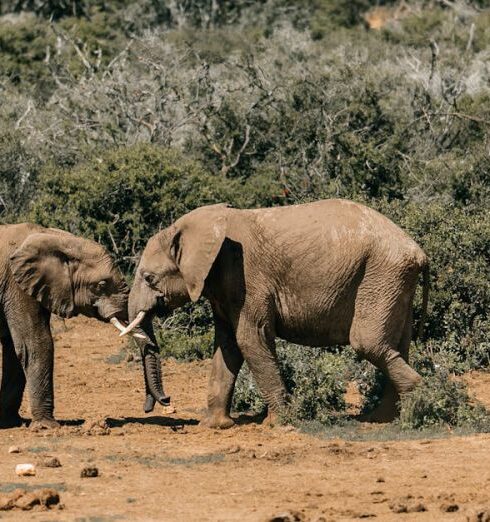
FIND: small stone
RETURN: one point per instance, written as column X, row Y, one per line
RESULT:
column 407, row 505
column 233, row 449
column 449, row 507
column 129, row 357
column 89, row 472
column 25, row 470
column 14, row 449
column 380, row 479
column 48, row 497
column 51, row 462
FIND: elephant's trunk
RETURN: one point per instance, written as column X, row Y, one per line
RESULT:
column 153, row 380
column 141, row 322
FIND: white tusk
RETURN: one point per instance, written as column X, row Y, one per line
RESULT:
column 117, row 324
column 133, row 324
column 121, row 328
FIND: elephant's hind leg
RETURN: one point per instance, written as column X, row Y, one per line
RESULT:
column 12, row 387
column 388, row 408
column 227, row 361
column 385, row 344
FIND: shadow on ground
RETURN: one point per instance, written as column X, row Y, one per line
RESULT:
column 151, row 421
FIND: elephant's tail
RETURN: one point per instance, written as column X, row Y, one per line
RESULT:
column 425, row 297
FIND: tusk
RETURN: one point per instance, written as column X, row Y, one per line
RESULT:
column 133, row 324
column 121, row 328
column 117, row 324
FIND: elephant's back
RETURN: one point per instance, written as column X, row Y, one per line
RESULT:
column 12, row 236
column 335, row 223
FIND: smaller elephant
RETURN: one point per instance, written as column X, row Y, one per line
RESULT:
column 44, row 270
column 332, row 272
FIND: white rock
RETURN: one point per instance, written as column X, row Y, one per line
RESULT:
column 25, row 470
column 14, row 449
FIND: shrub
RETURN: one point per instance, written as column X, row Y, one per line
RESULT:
column 457, row 242
column 187, row 334
column 122, row 197
column 19, row 170
column 316, row 381
column 441, row 401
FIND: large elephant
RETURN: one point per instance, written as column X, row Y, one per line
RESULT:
column 332, row 272
column 42, row 271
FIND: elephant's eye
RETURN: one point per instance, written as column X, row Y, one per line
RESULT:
column 101, row 286
column 150, row 278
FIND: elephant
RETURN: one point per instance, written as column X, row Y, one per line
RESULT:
column 45, row 270
column 331, row 272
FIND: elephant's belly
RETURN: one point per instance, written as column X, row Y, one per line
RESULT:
column 325, row 328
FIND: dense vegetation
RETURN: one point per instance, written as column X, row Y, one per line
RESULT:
column 118, row 116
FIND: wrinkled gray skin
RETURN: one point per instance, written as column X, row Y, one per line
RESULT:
column 332, row 272
column 42, row 271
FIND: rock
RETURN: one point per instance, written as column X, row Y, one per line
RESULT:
column 407, row 505
column 14, row 449
column 51, row 462
column 25, row 470
column 89, row 472
column 26, row 501
column 449, row 507
column 48, row 497
column 8, row 501
column 129, row 357
column 233, row 449
column 95, row 427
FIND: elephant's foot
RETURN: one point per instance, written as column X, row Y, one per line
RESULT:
column 272, row 419
column 217, row 420
column 45, row 423
column 379, row 416
column 11, row 421
column 386, row 411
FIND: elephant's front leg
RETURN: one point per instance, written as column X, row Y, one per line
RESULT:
column 12, row 387
column 257, row 345
column 34, row 347
column 227, row 361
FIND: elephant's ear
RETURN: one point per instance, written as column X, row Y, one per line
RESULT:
column 42, row 267
column 196, row 242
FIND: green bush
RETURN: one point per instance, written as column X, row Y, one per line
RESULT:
column 123, row 196
column 187, row 334
column 441, row 401
column 457, row 242
column 315, row 380
column 19, row 170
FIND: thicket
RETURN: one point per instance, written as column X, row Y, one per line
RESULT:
column 118, row 116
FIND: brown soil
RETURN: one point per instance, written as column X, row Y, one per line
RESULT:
column 156, row 467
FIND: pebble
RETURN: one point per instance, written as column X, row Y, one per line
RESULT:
column 25, row 470
column 89, row 472
column 51, row 462
column 14, row 449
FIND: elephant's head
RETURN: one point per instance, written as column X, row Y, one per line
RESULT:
column 171, row 272
column 69, row 275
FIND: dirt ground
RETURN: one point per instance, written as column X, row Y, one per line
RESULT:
column 156, row 467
